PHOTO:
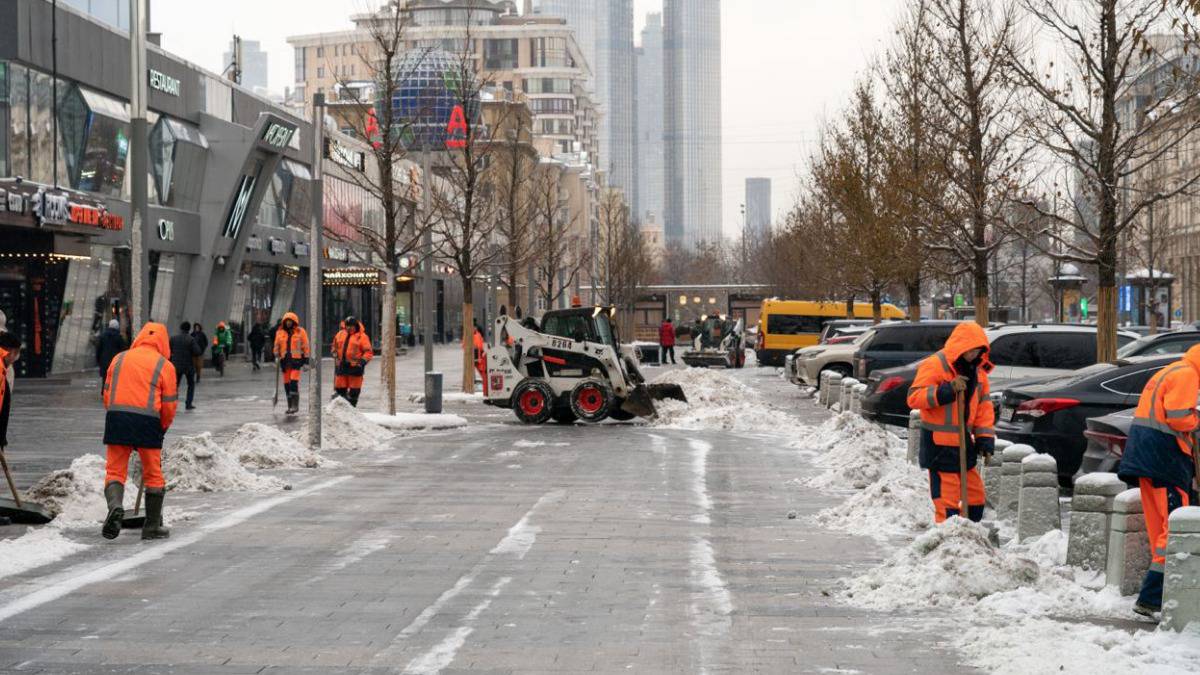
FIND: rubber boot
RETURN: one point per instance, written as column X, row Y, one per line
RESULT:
column 353, row 396
column 114, row 494
column 153, row 527
column 293, row 403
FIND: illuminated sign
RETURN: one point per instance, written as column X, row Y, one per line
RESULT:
column 352, row 277
column 165, row 83
column 456, row 129
column 278, row 135
column 241, row 202
column 166, row 230
column 58, row 209
column 337, row 253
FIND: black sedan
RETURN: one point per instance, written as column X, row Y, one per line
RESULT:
column 1106, row 436
column 1051, row 414
column 886, row 398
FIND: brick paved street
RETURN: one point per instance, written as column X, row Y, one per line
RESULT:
column 617, row 548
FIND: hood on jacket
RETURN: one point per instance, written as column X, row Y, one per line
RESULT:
column 292, row 316
column 154, row 335
column 967, row 335
column 357, row 324
column 1192, row 357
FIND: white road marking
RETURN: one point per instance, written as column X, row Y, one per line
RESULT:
column 711, row 604
column 517, row 542
column 700, row 450
column 442, row 654
column 67, row 582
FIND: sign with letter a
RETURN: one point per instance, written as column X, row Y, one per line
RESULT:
column 456, row 130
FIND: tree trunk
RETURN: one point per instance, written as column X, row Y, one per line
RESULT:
column 877, row 306
column 1106, row 312
column 468, row 338
column 387, row 341
column 982, row 304
column 982, row 309
column 914, row 300
column 850, row 307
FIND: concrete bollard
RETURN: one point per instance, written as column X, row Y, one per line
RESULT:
column 433, row 393
column 1037, row 507
column 823, row 388
column 1010, row 479
column 847, row 395
column 860, row 390
column 1181, row 585
column 914, row 437
column 1091, row 519
column 835, row 390
column 1128, row 548
column 991, row 473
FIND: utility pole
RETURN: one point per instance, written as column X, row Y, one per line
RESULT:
column 138, row 154
column 235, row 68
column 427, row 286
column 315, row 276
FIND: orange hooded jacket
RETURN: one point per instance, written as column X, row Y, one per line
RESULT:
column 932, row 394
column 351, row 352
column 139, row 391
column 1163, row 435
column 291, row 347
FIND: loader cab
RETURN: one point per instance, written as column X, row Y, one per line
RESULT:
column 591, row 324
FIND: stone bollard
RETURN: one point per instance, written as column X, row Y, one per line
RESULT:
column 1181, row 584
column 847, row 395
column 914, row 437
column 1091, row 516
column 1128, row 548
column 835, row 390
column 990, row 472
column 1037, row 508
column 1010, row 479
column 860, row 390
column 823, row 388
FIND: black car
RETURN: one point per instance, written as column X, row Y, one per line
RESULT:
column 1106, row 436
column 898, row 344
column 1161, row 344
column 1050, row 415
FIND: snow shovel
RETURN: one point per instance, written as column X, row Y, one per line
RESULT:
column 964, row 507
column 278, row 376
column 26, row 513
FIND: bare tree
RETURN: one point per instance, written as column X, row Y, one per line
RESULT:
column 976, row 134
column 515, row 167
column 381, row 175
column 623, row 257
column 559, row 257
column 1111, row 61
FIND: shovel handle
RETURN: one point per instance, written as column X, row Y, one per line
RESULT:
column 964, row 507
column 8, row 476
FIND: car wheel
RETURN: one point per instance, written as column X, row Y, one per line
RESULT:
column 532, row 401
column 591, row 400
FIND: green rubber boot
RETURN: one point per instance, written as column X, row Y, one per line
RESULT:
column 153, row 527
column 114, row 494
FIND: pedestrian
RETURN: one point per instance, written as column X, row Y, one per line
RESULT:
column 140, row 397
column 1159, row 456
column 201, row 339
column 958, row 372
column 222, row 347
column 183, row 353
column 480, row 354
column 666, row 341
column 291, row 348
column 10, row 352
column 109, row 344
column 256, row 339
column 351, row 353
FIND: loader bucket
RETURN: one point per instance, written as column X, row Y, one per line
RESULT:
column 641, row 400
column 660, row 392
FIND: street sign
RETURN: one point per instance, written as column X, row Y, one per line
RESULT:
column 959, row 300
column 1083, row 307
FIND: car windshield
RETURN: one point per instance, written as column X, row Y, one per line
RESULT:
column 1135, row 346
column 604, row 328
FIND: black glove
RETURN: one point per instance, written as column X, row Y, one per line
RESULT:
column 985, row 446
column 304, row 361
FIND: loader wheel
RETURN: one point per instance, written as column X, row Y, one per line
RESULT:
column 532, row 401
column 591, row 400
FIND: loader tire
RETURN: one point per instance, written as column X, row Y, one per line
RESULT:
column 533, row 401
column 592, row 400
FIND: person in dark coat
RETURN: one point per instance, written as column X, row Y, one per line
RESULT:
column 257, row 338
column 183, row 352
column 110, row 343
column 201, row 339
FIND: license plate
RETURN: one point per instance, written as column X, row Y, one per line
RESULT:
column 1007, row 414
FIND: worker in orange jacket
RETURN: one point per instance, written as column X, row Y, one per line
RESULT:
column 291, row 348
column 139, row 395
column 10, row 353
column 351, row 353
column 960, row 369
column 480, row 350
column 1158, row 455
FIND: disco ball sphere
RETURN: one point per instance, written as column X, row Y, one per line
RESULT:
column 427, row 93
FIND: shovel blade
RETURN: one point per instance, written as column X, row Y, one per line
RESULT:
column 133, row 522
column 639, row 403
column 28, row 513
column 661, row 392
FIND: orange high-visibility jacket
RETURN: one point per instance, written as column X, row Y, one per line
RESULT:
column 932, row 394
column 139, row 391
column 351, row 352
column 3, row 382
column 291, row 347
column 1163, row 435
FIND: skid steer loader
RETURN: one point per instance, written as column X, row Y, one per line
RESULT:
column 571, row 367
column 719, row 343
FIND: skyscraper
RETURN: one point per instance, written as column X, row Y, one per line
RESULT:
column 692, row 79
column 604, row 31
column 758, row 207
column 649, row 144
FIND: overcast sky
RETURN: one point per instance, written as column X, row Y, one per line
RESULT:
column 785, row 65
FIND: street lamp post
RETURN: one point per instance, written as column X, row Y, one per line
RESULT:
column 427, row 254
column 138, row 150
column 315, row 276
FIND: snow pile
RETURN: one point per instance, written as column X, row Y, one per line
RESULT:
column 718, row 401
column 34, row 549
column 266, row 447
column 854, row 452
column 952, row 565
column 416, row 421
column 448, row 397
column 75, row 495
column 897, row 504
column 345, row 428
column 198, row 463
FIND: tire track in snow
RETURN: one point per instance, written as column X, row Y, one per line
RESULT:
column 443, row 653
column 519, row 539
column 711, row 606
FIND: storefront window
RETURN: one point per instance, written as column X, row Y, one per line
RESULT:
column 4, row 119
column 285, row 293
column 18, row 120
column 95, row 132
column 177, row 163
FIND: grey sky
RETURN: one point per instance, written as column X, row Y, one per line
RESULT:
column 786, row 63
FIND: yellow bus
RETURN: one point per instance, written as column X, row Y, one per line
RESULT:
column 787, row 325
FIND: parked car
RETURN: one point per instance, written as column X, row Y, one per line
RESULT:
column 843, row 327
column 897, row 344
column 1106, row 436
column 810, row 362
column 1173, row 342
column 1051, row 415
column 1020, row 353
